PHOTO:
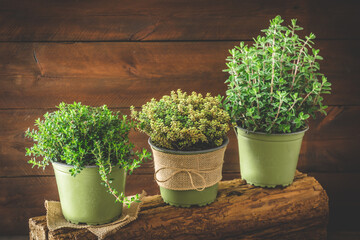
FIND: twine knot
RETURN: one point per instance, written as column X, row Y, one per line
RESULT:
column 190, row 171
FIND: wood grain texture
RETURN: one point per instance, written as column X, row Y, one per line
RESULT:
column 239, row 212
column 123, row 53
column 330, row 144
column 23, row 197
column 41, row 75
column 154, row 20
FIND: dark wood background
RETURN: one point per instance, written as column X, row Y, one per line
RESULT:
column 123, row 53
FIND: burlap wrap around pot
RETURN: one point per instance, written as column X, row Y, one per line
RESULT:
column 188, row 170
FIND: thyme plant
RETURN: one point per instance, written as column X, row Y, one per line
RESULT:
column 184, row 122
column 80, row 135
column 275, row 85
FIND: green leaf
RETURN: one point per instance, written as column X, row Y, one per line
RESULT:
column 279, row 77
column 81, row 135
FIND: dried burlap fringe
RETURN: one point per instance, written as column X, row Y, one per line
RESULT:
column 188, row 172
column 55, row 219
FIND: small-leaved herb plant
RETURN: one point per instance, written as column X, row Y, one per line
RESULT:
column 182, row 121
column 81, row 135
column 275, row 85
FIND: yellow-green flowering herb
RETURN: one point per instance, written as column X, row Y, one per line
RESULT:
column 275, row 85
column 81, row 135
column 184, row 122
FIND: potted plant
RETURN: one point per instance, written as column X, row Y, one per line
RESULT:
column 188, row 139
column 90, row 152
column 274, row 86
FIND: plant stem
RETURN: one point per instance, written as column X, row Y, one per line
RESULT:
column 292, row 105
column 297, row 63
column 273, row 66
column 281, row 58
column 305, row 98
column 110, row 188
column 278, row 112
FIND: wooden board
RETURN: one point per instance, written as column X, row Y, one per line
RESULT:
column 153, row 20
column 41, row 75
column 239, row 212
column 24, row 197
column 323, row 149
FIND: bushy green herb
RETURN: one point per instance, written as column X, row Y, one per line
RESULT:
column 184, row 122
column 274, row 85
column 81, row 135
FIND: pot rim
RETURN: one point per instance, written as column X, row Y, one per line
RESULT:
column 272, row 134
column 182, row 152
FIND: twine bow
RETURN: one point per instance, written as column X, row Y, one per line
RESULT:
column 197, row 172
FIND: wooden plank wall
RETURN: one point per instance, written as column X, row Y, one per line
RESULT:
column 123, row 53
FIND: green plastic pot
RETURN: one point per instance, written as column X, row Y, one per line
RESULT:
column 84, row 199
column 188, row 198
column 268, row 160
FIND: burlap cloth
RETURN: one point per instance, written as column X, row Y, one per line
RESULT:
column 188, row 172
column 55, row 219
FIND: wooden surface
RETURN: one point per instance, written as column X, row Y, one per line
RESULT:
column 123, row 53
column 338, row 235
column 241, row 211
column 121, row 74
column 154, row 20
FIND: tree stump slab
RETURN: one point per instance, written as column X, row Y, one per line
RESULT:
column 241, row 211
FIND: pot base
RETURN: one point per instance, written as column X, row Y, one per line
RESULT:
column 188, row 205
column 267, row 185
column 93, row 223
column 189, row 198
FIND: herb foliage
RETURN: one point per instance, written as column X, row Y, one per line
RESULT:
column 184, row 121
column 275, row 85
column 80, row 135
